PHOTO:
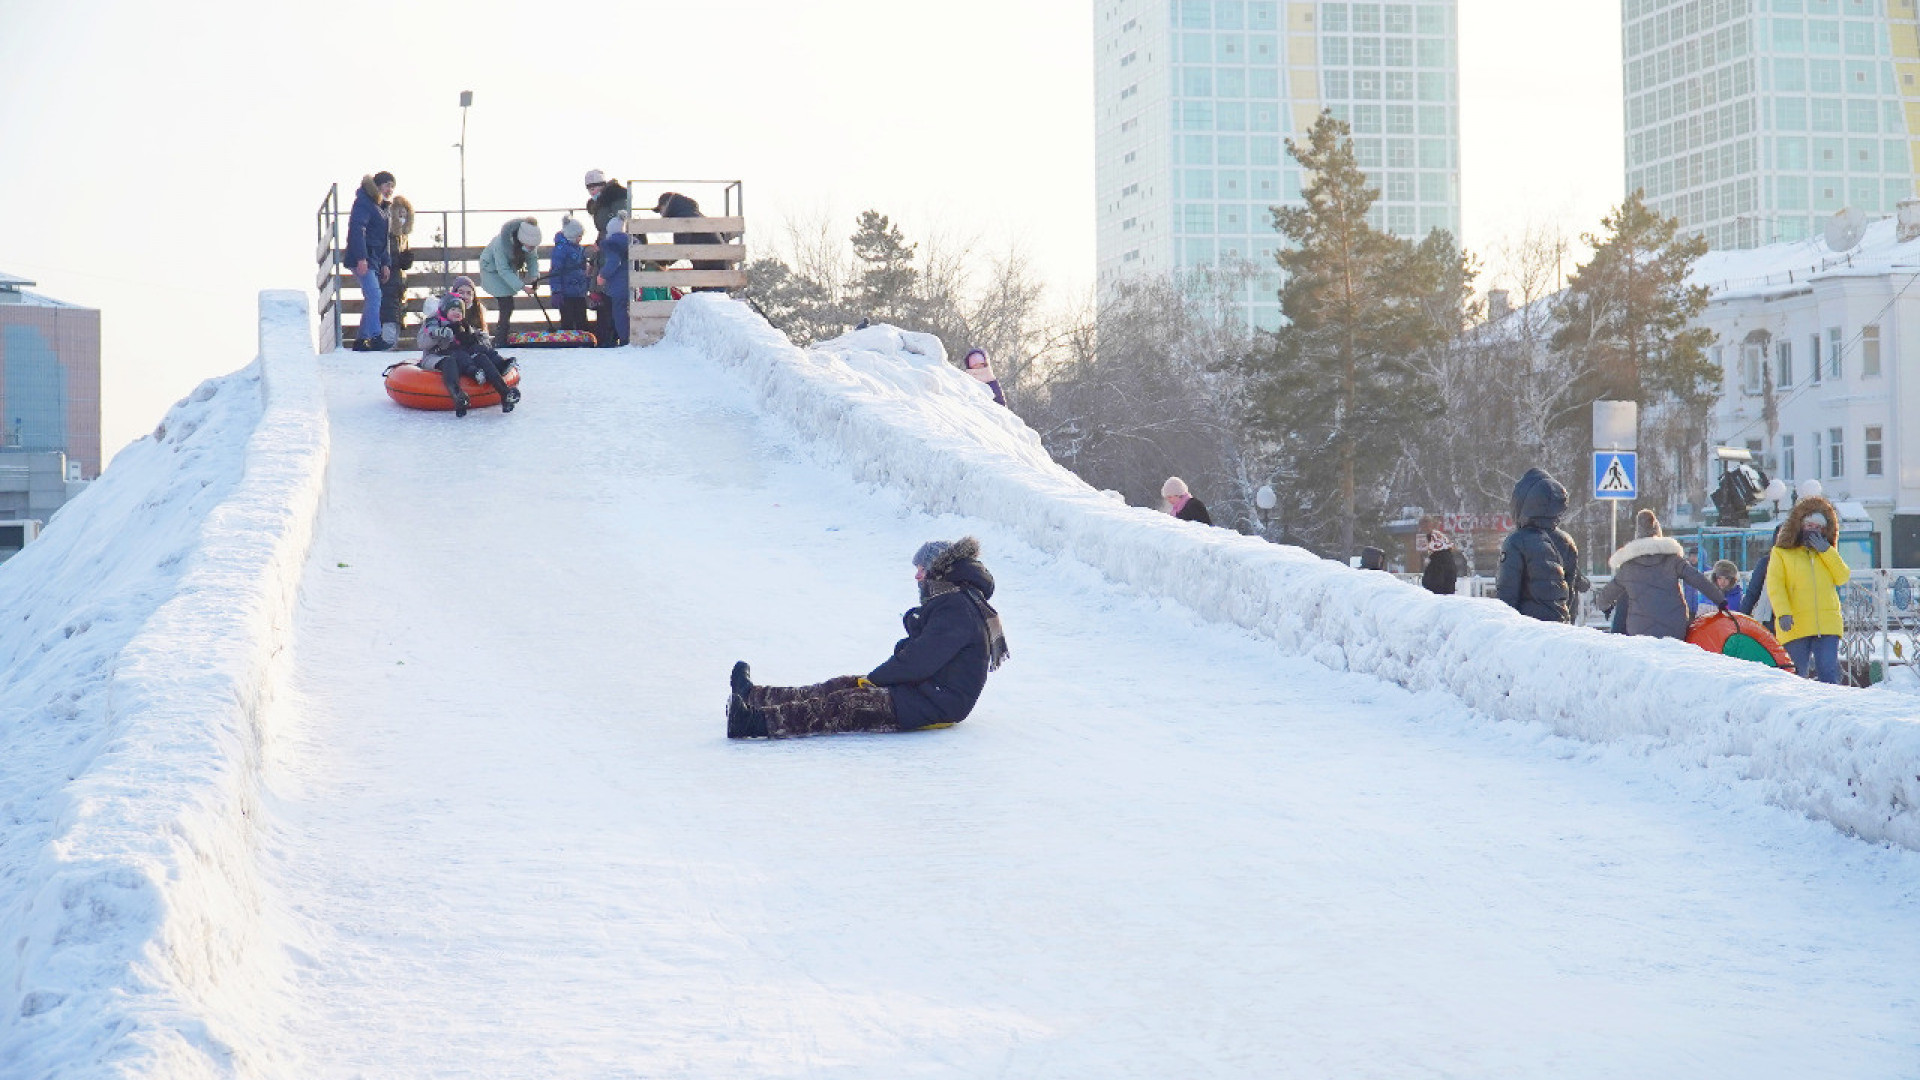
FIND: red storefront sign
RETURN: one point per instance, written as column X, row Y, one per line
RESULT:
column 1476, row 523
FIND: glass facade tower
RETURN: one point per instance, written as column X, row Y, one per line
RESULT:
column 1751, row 121
column 1194, row 99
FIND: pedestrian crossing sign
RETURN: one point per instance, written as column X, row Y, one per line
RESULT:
column 1616, row 474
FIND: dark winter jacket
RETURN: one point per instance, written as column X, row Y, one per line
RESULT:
column 567, row 268
column 938, row 670
column 1539, row 572
column 679, row 206
column 1442, row 573
column 611, row 200
column 367, row 236
column 1195, row 510
column 613, row 266
column 1756, row 584
column 1647, row 573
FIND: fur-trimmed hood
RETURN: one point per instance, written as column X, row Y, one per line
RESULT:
column 372, row 189
column 960, row 564
column 1657, row 546
column 400, row 218
column 1789, row 535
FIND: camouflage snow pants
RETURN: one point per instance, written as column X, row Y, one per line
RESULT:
column 829, row 708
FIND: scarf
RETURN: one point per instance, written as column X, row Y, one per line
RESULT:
column 997, row 651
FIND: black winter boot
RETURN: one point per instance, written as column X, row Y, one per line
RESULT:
column 509, row 398
column 742, row 679
column 459, row 403
column 742, row 721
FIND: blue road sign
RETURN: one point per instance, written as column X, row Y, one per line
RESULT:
column 1616, row 474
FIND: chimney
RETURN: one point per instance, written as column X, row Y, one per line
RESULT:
column 1909, row 227
column 1498, row 307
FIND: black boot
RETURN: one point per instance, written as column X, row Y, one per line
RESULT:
column 742, row 679
column 509, row 398
column 743, row 722
column 459, row 403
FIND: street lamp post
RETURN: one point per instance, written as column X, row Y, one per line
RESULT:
column 466, row 101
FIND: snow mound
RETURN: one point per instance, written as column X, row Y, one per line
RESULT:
column 886, row 406
column 139, row 634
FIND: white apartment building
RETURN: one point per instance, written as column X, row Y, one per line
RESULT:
column 1194, row 99
column 1752, row 120
column 1832, row 339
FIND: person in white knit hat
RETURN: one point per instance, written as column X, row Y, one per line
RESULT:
column 1181, row 503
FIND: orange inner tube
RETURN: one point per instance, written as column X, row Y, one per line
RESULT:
column 417, row 388
column 1739, row 636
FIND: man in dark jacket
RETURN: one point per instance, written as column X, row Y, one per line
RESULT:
column 1539, row 563
column 368, row 255
column 933, row 679
column 672, row 204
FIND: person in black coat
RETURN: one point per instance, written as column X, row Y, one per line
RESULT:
column 1181, row 503
column 1441, row 575
column 1539, row 572
column 933, row 679
column 672, row 204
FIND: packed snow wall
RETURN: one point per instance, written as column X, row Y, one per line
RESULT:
column 140, row 634
column 887, row 406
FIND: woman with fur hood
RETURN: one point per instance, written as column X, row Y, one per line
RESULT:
column 1804, row 576
column 1647, row 573
column 393, row 295
column 934, row 678
column 511, row 264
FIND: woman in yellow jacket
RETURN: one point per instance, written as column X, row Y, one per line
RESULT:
column 1804, row 577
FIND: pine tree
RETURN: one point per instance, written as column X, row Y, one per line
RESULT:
column 1340, row 385
column 1628, row 311
column 886, row 287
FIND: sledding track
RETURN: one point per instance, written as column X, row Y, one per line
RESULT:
column 509, row 837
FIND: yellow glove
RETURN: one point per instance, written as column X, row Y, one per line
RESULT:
column 863, row 683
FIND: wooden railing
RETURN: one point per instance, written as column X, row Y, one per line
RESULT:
column 436, row 264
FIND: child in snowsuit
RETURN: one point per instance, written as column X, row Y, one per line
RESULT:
column 1803, row 583
column 1539, row 572
column 934, row 678
column 612, row 282
column 454, row 349
column 1727, row 576
column 567, row 275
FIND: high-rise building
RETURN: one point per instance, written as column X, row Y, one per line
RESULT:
column 1193, row 102
column 1751, row 121
column 49, row 399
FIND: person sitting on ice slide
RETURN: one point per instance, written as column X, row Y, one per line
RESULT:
column 932, row 680
column 448, row 345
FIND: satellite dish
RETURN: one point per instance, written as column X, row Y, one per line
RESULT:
column 1845, row 229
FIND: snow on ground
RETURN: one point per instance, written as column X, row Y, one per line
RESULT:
column 1228, row 810
column 136, row 640
column 511, row 840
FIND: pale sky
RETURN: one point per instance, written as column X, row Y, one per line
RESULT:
column 163, row 161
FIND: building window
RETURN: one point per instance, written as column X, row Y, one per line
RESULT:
column 1836, row 452
column 1875, row 465
column 1753, row 357
column 1129, row 91
column 1786, row 459
column 1128, row 160
column 1130, row 58
column 1783, row 364
column 1870, row 352
column 1833, row 352
column 1813, row 357
column 1130, row 189
column 1131, row 256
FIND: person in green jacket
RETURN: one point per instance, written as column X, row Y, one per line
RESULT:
column 1804, row 576
column 511, row 265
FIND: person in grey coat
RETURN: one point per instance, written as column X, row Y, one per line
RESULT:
column 1647, row 573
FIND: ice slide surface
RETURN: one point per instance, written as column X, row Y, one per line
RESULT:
column 506, row 836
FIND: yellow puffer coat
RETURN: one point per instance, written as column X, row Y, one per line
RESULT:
column 1806, row 585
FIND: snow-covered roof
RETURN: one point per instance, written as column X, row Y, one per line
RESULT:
column 13, row 291
column 1778, row 267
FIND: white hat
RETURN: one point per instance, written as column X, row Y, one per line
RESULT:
column 528, row 234
column 617, row 223
column 1174, row 488
column 572, row 229
column 595, row 176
